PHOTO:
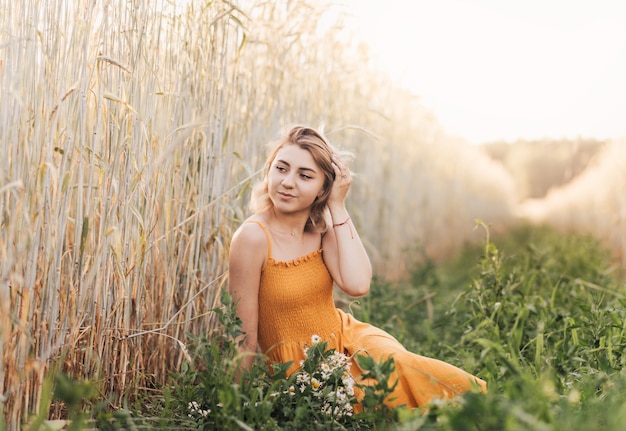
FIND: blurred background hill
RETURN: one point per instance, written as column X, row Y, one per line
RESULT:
column 572, row 185
column 539, row 166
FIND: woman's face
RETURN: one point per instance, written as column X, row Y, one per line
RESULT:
column 294, row 179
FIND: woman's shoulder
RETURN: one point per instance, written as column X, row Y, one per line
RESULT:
column 249, row 247
column 251, row 233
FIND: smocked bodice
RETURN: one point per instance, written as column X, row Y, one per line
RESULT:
column 295, row 302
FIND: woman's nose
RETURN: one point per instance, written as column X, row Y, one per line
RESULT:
column 288, row 180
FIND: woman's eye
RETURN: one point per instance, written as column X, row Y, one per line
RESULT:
column 281, row 169
column 306, row 177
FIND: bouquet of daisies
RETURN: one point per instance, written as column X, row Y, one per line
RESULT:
column 322, row 390
column 324, row 377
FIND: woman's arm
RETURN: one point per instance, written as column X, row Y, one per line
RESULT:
column 344, row 253
column 247, row 256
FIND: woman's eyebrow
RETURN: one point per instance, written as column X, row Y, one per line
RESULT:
column 304, row 168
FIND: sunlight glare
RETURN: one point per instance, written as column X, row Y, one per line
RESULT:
column 506, row 70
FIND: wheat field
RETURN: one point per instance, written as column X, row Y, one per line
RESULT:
column 131, row 133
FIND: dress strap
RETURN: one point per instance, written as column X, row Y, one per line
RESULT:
column 267, row 234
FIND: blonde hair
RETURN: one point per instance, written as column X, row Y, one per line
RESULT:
column 322, row 151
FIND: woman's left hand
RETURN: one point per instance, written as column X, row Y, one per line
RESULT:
column 343, row 180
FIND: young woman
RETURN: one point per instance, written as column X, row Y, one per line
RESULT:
column 285, row 259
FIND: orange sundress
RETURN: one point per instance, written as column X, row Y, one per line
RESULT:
column 296, row 301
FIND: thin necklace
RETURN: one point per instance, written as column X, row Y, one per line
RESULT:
column 292, row 233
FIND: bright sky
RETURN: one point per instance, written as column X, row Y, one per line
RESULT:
column 506, row 69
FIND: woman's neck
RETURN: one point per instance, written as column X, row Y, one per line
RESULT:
column 288, row 224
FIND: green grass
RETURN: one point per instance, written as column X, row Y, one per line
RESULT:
column 536, row 313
